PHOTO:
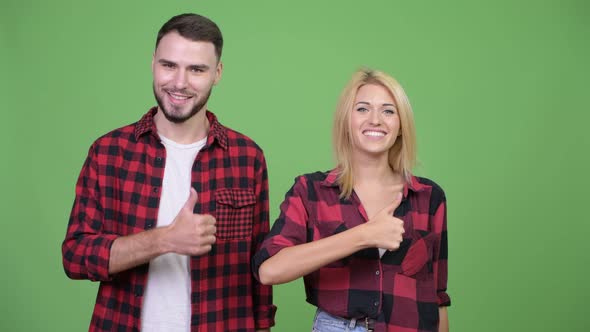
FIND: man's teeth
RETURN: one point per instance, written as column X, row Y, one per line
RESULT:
column 179, row 97
column 374, row 133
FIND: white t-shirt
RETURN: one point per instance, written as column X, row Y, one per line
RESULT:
column 167, row 303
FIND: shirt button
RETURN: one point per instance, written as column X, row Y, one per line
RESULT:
column 155, row 189
column 376, row 303
column 377, row 273
column 149, row 224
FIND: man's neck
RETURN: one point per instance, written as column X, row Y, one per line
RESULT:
column 192, row 130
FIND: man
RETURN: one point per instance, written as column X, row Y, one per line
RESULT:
column 169, row 210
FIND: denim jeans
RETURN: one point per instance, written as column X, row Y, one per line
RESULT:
column 324, row 322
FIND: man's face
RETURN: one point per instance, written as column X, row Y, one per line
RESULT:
column 184, row 73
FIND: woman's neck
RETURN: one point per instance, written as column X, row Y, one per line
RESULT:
column 371, row 171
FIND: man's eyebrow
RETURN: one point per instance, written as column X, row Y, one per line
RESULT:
column 191, row 67
column 166, row 62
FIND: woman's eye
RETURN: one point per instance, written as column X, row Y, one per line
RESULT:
column 361, row 109
column 389, row 112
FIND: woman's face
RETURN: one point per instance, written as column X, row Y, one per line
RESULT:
column 374, row 121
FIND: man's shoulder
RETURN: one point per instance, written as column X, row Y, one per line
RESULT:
column 124, row 133
column 237, row 139
column 129, row 133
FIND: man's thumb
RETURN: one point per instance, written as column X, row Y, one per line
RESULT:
column 192, row 200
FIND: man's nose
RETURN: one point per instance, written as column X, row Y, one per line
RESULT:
column 180, row 80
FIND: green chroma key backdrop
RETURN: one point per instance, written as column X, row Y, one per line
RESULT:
column 500, row 101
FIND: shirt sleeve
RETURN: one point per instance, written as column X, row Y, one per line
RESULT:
column 440, row 257
column 264, row 310
column 85, row 250
column 289, row 229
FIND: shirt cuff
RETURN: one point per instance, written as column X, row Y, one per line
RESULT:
column 443, row 299
column 98, row 258
column 259, row 258
column 265, row 316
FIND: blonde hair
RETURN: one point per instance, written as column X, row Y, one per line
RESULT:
column 402, row 155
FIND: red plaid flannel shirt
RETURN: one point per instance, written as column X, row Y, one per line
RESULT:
column 401, row 291
column 118, row 194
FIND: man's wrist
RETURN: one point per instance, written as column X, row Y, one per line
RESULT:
column 159, row 238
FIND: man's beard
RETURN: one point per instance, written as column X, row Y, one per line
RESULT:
column 179, row 118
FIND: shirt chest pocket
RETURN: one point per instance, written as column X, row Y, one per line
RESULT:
column 416, row 285
column 418, row 260
column 234, row 212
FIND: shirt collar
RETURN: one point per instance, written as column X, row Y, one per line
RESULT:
column 330, row 180
column 414, row 185
column 217, row 132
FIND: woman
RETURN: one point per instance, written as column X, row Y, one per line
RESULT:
column 368, row 237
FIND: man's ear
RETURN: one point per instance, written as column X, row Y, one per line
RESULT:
column 218, row 72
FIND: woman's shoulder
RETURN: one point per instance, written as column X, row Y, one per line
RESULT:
column 315, row 181
column 423, row 184
column 316, row 176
